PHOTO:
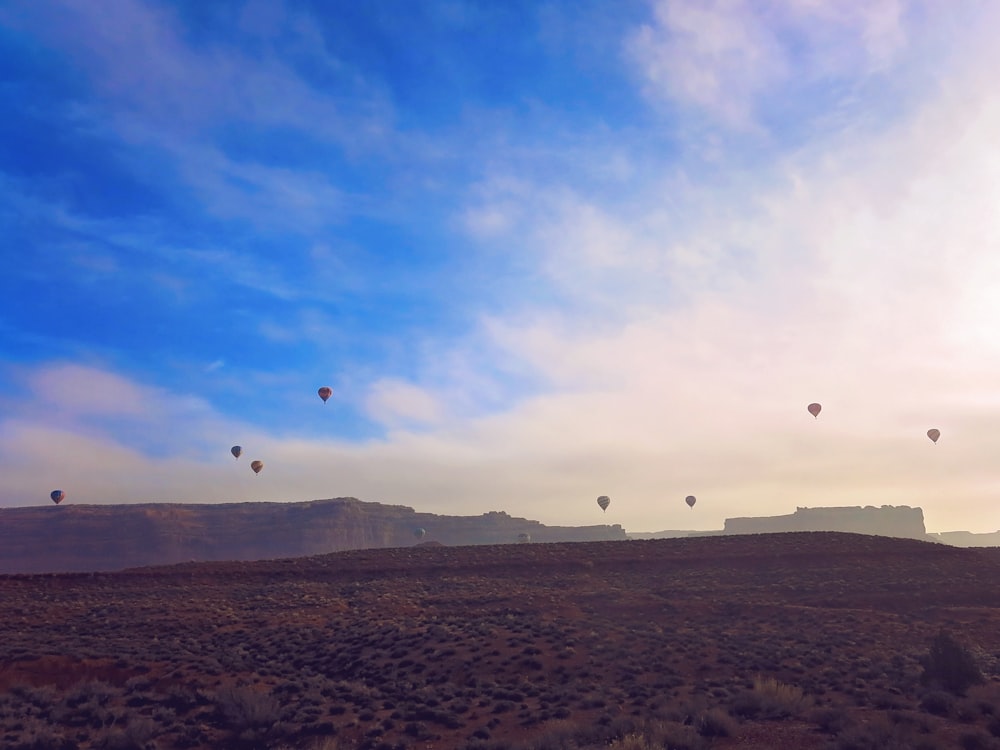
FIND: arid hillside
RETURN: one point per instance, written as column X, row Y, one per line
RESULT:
column 797, row 640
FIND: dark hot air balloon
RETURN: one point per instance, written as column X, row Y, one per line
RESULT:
column 236, row 451
column 933, row 434
column 604, row 501
column 256, row 466
column 325, row 393
column 815, row 409
column 690, row 500
column 523, row 538
column 419, row 533
column 57, row 496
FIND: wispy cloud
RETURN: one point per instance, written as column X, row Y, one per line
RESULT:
column 156, row 89
column 141, row 61
column 294, row 201
column 726, row 58
column 394, row 402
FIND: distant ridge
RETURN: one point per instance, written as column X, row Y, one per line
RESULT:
column 967, row 538
column 899, row 521
column 887, row 520
column 69, row 538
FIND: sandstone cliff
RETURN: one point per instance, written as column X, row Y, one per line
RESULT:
column 68, row 538
column 888, row 520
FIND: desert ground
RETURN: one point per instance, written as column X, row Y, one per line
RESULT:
column 799, row 640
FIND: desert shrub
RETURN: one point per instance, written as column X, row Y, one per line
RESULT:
column 876, row 734
column 558, row 735
column 44, row 738
column 950, row 665
column 976, row 740
column 885, row 700
column 830, row 720
column 633, row 742
column 93, row 692
column 938, row 703
column 182, row 699
column 911, row 722
column 715, row 723
column 319, row 743
column 967, row 711
column 122, row 740
column 140, row 683
column 248, row 713
column 42, row 696
column 770, row 699
column 986, row 708
column 629, row 734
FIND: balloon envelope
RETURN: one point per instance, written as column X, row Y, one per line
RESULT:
column 814, row 409
column 933, row 434
column 690, row 500
column 524, row 538
column 256, row 466
column 325, row 393
column 57, row 496
column 236, row 451
column 604, row 501
column 419, row 533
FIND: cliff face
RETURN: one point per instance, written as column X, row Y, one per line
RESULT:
column 67, row 538
column 888, row 520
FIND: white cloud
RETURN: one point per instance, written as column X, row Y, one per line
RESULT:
column 392, row 402
column 76, row 390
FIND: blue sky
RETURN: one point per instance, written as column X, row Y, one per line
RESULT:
column 540, row 251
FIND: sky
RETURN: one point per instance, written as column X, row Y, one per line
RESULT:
column 540, row 251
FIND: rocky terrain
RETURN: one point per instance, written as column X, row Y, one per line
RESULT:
column 800, row 640
column 67, row 538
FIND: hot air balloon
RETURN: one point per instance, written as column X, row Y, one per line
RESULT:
column 815, row 409
column 690, row 500
column 57, row 496
column 934, row 434
column 256, row 466
column 523, row 538
column 325, row 393
column 236, row 451
column 419, row 533
column 604, row 501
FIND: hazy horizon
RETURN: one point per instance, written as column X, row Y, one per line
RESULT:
column 539, row 253
column 630, row 531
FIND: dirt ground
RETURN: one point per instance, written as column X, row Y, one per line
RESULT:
column 804, row 640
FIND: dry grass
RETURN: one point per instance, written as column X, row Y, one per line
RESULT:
column 801, row 640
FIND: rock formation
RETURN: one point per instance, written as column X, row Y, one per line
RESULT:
column 888, row 520
column 68, row 538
